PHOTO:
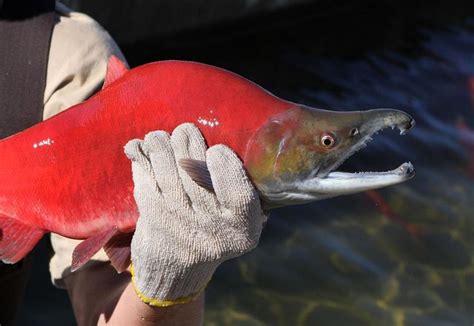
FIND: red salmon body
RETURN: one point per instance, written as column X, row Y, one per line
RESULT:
column 69, row 175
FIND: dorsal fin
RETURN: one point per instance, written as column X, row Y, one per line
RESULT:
column 116, row 68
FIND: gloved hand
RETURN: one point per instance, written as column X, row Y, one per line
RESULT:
column 185, row 231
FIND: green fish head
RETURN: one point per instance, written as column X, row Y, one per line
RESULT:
column 293, row 157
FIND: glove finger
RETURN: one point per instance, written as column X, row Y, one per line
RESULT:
column 233, row 188
column 134, row 151
column 158, row 147
column 142, row 171
column 188, row 142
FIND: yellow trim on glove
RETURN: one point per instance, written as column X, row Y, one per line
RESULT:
column 158, row 302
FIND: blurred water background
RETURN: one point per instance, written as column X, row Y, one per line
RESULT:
column 403, row 255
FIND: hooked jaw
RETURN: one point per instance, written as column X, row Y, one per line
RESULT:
column 327, row 183
column 379, row 119
column 344, row 183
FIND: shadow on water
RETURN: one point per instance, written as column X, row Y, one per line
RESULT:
column 348, row 261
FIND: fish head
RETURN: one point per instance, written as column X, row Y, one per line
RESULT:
column 292, row 158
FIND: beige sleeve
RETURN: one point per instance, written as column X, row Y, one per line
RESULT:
column 78, row 56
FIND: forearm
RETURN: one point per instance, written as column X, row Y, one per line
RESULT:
column 100, row 296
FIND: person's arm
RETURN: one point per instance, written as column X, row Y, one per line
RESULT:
column 100, row 296
column 78, row 56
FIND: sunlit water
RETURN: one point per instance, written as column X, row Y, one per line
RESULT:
column 403, row 255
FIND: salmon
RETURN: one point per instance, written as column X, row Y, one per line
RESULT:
column 69, row 174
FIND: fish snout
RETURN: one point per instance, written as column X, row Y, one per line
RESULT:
column 378, row 119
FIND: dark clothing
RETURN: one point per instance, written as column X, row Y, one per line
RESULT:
column 13, row 279
column 25, row 33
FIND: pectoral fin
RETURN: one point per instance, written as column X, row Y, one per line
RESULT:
column 198, row 171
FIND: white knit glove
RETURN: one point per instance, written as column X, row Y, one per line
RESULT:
column 185, row 231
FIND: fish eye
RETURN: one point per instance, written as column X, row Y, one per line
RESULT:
column 354, row 132
column 328, row 141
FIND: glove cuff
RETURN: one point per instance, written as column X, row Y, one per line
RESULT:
column 156, row 291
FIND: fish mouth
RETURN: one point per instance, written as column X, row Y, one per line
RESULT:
column 400, row 120
column 343, row 183
column 327, row 182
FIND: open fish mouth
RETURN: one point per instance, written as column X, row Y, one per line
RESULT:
column 327, row 182
column 340, row 183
